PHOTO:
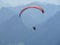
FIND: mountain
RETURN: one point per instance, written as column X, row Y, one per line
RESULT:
column 48, row 33
column 6, row 14
column 34, row 18
column 13, row 31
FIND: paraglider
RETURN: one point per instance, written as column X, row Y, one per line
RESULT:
column 36, row 7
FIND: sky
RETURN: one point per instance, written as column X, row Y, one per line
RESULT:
column 7, row 3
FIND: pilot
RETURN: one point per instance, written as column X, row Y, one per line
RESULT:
column 34, row 28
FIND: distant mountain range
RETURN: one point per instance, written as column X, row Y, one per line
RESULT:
column 7, row 13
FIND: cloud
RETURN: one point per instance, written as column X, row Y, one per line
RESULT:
column 13, row 2
column 23, row 2
column 57, row 2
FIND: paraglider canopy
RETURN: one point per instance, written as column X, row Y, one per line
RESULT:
column 36, row 7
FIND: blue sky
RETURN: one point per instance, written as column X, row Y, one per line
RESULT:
column 13, row 3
